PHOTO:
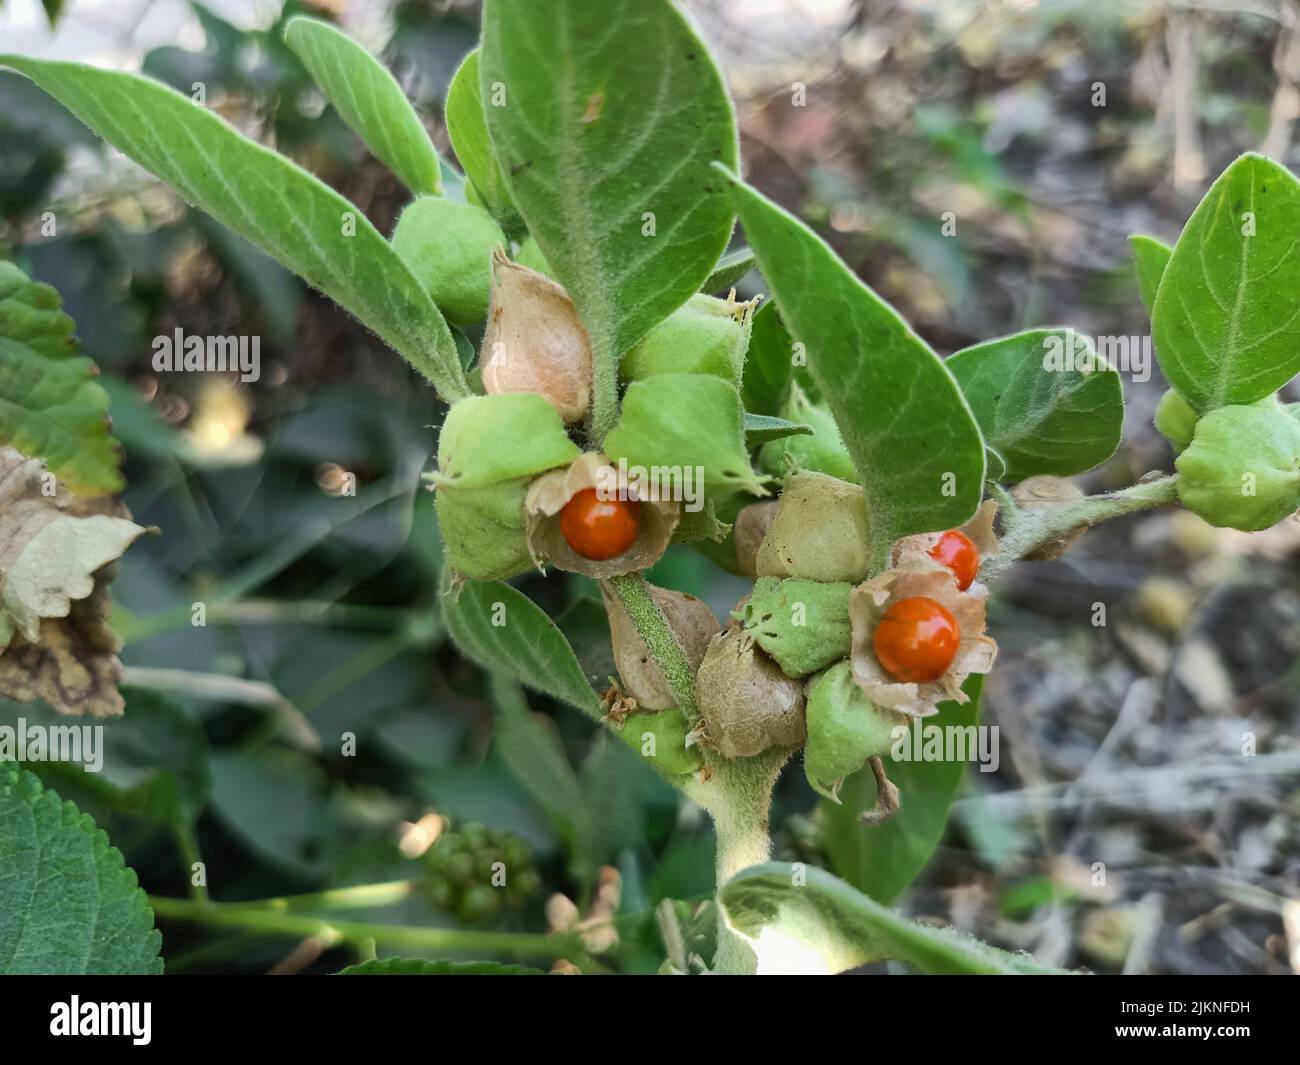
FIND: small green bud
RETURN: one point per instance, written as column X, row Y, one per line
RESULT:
column 661, row 738
column 1175, row 420
column 691, row 422
column 448, row 246
column 822, row 452
column 820, row 531
column 705, row 336
column 845, row 728
column 1242, row 468
column 489, row 439
column 803, row 625
column 483, row 530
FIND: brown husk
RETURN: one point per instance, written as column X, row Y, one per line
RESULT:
column 691, row 621
column 746, row 702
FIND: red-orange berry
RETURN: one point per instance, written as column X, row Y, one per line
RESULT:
column 600, row 529
column 917, row 640
column 958, row 552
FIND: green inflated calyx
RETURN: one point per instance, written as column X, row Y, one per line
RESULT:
column 1175, row 420
column 448, row 247
column 820, row 531
column 845, row 728
column 693, row 422
column 704, row 336
column 1242, row 468
column 660, row 737
column 489, row 439
column 483, row 530
column 803, row 625
column 821, row 452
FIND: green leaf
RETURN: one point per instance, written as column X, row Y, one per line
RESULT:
column 883, row 859
column 769, row 363
column 420, row 967
column 824, row 925
column 1150, row 257
column 760, row 428
column 266, row 199
column 890, row 394
column 1226, row 321
column 468, row 131
column 50, row 405
column 1040, row 418
column 369, row 100
column 729, row 269
column 591, row 143
column 68, row 904
column 501, row 628
column 533, row 754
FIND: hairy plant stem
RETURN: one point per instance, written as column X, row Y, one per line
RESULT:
column 1032, row 527
column 666, row 649
column 604, row 400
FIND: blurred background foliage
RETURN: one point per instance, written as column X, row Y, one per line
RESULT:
column 318, row 731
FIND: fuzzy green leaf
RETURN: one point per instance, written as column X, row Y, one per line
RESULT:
column 883, row 859
column 68, row 904
column 824, row 925
column 1041, row 419
column 728, row 270
column 369, row 100
column 1150, row 257
column 501, row 628
column 468, row 131
column 420, row 967
column 769, row 363
column 762, row 428
column 890, row 394
column 592, row 143
column 50, row 405
column 1226, row 321
column 266, row 199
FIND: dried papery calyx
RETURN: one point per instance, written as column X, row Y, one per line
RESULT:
column 747, row 704
column 748, row 532
column 845, row 728
column 821, row 452
column 550, row 494
column 447, row 245
column 803, row 625
column 820, row 531
column 693, row 423
column 1036, row 493
column 704, row 336
column 1242, row 468
column 690, row 620
column 948, row 550
column 534, row 341
column 975, row 652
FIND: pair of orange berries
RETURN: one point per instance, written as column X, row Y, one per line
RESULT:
column 916, row 640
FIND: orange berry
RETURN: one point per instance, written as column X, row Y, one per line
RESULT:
column 917, row 640
column 600, row 529
column 957, row 551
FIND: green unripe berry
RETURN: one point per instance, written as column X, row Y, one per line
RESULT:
column 1242, row 468
column 704, row 336
column 660, row 737
column 448, row 247
column 1175, row 420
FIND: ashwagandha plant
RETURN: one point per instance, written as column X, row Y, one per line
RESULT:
column 619, row 404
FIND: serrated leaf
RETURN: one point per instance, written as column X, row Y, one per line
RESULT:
column 1040, row 419
column 760, row 428
column 883, row 859
column 420, row 967
column 468, row 131
column 890, row 394
column 728, row 270
column 591, row 143
column 501, row 628
column 266, row 199
column 369, row 100
column 806, row 920
column 68, row 904
column 1150, row 257
column 50, row 405
column 1226, row 321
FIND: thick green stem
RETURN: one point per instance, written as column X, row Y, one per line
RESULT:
column 604, row 399
column 1035, row 526
column 666, row 649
